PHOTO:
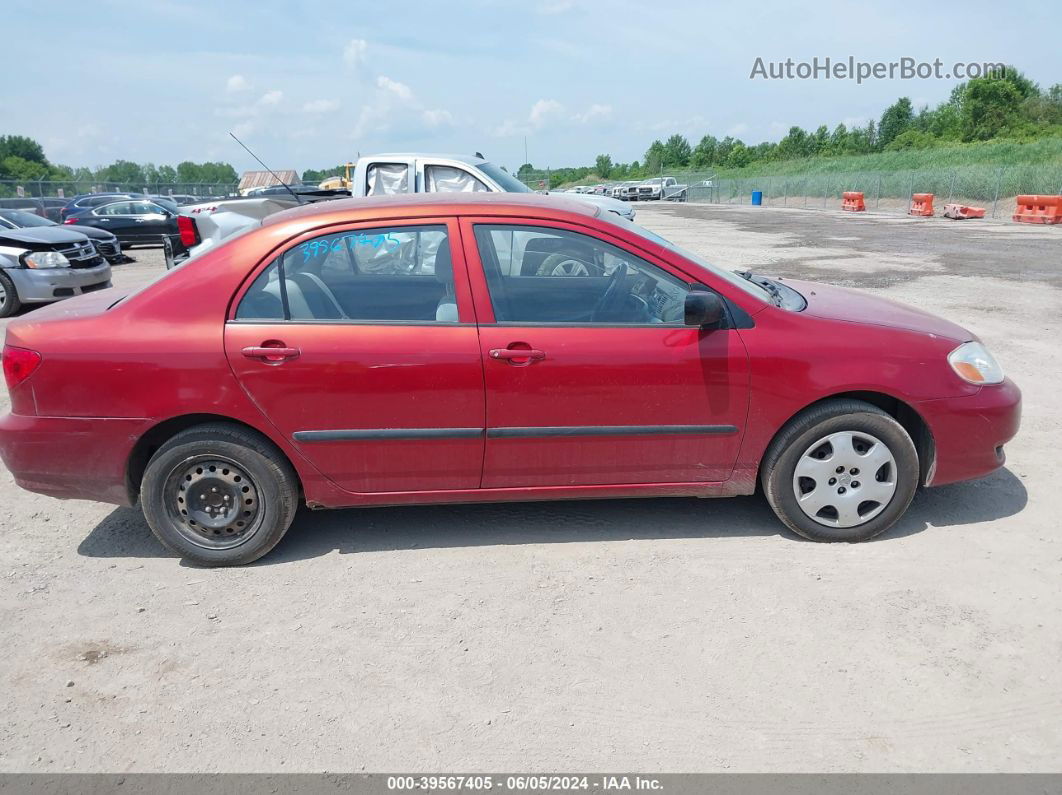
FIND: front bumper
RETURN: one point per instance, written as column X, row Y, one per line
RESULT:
column 74, row 458
column 54, row 284
column 969, row 432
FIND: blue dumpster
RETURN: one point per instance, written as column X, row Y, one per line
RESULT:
column 757, row 197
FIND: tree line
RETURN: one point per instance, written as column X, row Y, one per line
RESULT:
column 23, row 159
column 1008, row 105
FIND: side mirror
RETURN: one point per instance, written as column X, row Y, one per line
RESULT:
column 703, row 309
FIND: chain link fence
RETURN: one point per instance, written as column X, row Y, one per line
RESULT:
column 991, row 187
column 12, row 188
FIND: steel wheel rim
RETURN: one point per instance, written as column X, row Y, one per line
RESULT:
column 845, row 479
column 213, row 502
column 3, row 294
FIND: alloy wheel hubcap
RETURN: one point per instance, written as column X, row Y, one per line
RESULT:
column 570, row 267
column 845, row 479
column 213, row 502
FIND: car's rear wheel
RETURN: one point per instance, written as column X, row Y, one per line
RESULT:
column 219, row 495
column 9, row 300
column 842, row 471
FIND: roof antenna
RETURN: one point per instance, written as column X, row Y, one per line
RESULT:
column 480, row 156
column 267, row 168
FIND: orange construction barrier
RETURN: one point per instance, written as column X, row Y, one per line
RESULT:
column 921, row 204
column 1038, row 210
column 962, row 211
column 853, row 201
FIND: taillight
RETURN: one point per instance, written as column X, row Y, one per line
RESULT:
column 70, row 221
column 19, row 364
column 189, row 233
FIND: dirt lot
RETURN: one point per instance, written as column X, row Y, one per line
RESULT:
column 659, row 635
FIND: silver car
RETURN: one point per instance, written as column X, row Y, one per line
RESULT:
column 44, row 264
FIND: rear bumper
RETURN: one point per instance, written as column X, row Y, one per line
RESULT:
column 70, row 458
column 969, row 432
column 54, row 284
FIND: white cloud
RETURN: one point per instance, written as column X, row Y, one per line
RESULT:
column 738, row 129
column 542, row 110
column 271, row 97
column 400, row 90
column 354, row 52
column 593, row 113
column 321, row 106
column 237, row 83
column 437, row 118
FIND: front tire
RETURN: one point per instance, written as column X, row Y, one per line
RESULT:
column 843, row 470
column 10, row 303
column 219, row 495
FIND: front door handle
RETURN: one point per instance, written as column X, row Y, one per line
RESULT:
column 517, row 354
column 271, row 352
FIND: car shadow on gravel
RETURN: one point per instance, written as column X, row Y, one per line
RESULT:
column 124, row 533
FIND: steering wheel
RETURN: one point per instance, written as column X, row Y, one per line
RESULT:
column 614, row 294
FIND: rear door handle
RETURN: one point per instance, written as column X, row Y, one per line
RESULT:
column 517, row 353
column 270, row 354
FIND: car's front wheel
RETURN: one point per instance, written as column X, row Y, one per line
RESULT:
column 9, row 300
column 842, row 471
column 219, row 495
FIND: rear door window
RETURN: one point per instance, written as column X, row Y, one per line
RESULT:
column 385, row 179
column 396, row 274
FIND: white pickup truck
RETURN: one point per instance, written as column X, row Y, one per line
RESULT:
column 419, row 173
column 205, row 225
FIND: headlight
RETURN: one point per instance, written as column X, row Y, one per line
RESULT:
column 972, row 362
column 45, row 259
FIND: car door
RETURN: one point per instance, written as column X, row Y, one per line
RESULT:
column 360, row 347
column 152, row 221
column 118, row 219
column 591, row 376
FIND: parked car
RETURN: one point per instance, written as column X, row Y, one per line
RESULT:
column 661, row 189
column 132, row 221
column 203, row 226
column 424, row 349
column 106, row 244
column 39, row 265
column 45, row 207
column 380, row 175
column 384, row 174
column 88, row 200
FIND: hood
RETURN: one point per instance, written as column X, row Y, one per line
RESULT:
column 88, row 231
column 38, row 235
column 857, row 306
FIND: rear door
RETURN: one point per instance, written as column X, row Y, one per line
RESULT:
column 118, row 219
column 591, row 376
column 360, row 346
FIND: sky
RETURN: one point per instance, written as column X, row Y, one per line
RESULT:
column 312, row 84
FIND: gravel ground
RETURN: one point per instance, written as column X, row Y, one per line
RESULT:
column 654, row 635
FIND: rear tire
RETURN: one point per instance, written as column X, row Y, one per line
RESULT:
column 10, row 303
column 219, row 495
column 843, row 470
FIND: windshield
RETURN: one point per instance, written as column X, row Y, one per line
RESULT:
column 23, row 218
column 744, row 284
column 508, row 182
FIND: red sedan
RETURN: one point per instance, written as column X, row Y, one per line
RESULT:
column 449, row 348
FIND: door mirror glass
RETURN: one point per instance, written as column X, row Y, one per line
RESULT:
column 703, row 309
